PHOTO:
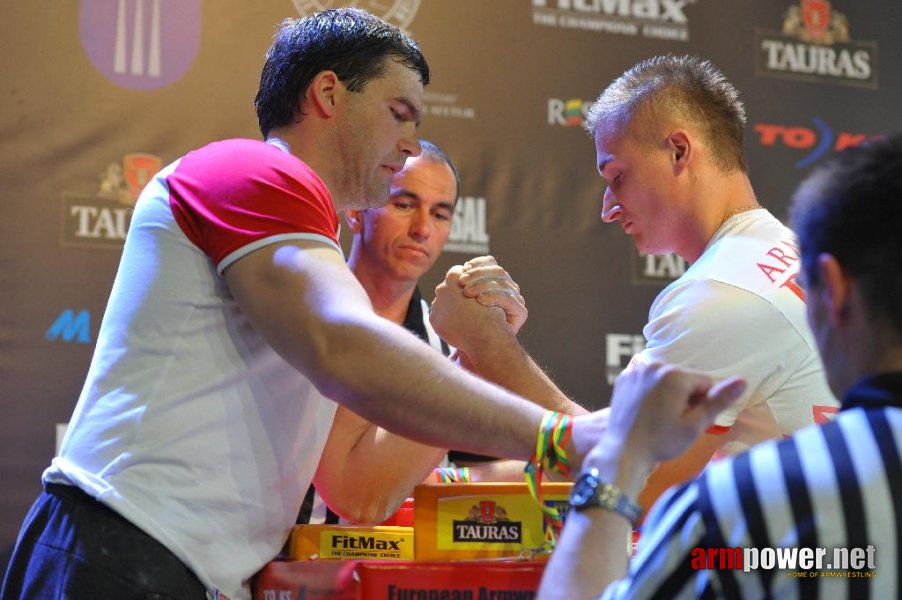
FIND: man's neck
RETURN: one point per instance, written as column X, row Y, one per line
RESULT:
column 304, row 141
column 390, row 297
column 721, row 197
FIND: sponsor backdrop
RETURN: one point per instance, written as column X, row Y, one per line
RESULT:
column 98, row 94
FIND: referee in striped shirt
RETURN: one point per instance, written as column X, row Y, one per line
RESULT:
column 833, row 492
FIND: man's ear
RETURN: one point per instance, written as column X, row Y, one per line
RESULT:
column 355, row 220
column 325, row 93
column 835, row 288
column 680, row 145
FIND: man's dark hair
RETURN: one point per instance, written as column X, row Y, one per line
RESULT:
column 349, row 41
column 851, row 207
column 686, row 87
column 436, row 154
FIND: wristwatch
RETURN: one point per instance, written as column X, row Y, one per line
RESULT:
column 589, row 491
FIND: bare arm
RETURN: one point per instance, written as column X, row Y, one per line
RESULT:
column 310, row 309
column 366, row 472
column 680, row 469
column 656, row 412
column 492, row 350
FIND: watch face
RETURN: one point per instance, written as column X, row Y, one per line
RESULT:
column 583, row 489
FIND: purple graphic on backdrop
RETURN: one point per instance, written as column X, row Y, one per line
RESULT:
column 141, row 44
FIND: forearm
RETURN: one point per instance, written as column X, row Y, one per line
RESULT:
column 590, row 555
column 503, row 360
column 366, row 472
column 497, row 471
column 593, row 550
column 310, row 309
column 436, row 403
column 681, row 469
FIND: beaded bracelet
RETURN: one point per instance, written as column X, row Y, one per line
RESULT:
column 554, row 433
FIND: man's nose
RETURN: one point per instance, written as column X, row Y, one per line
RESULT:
column 610, row 209
column 410, row 143
column 421, row 224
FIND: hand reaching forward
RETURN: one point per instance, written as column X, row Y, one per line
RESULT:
column 657, row 411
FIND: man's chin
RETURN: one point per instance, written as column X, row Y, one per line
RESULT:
column 643, row 247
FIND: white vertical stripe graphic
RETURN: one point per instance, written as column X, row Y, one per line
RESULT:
column 121, row 34
column 877, row 499
column 138, row 40
column 153, row 66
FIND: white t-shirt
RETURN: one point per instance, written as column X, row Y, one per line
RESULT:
column 189, row 424
column 739, row 311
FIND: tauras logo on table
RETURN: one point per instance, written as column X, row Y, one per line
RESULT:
column 487, row 522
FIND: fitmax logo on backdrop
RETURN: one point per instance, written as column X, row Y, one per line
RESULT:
column 816, row 141
column 102, row 219
column 814, row 44
column 619, row 349
column 140, row 44
column 660, row 19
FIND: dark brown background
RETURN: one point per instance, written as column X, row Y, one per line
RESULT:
column 497, row 75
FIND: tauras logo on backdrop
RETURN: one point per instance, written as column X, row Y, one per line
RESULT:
column 468, row 227
column 817, row 140
column 567, row 113
column 619, row 349
column 663, row 19
column 396, row 12
column 102, row 219
column 815, row 45
column 656, row 269
column 141, row 44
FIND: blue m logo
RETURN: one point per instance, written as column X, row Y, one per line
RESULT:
column 71, row 327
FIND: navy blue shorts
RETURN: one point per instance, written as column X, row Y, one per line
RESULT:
column 72, row 546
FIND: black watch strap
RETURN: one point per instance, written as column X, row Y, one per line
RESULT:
column 590, row 492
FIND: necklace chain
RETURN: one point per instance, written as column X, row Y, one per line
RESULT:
column 735, row 212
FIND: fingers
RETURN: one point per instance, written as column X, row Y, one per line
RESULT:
column 477, row 281
column 480, row 261
column 723, row 394
column 452, row 278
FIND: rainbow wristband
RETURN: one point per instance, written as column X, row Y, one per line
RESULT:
column 453, row 475
column 554, row 433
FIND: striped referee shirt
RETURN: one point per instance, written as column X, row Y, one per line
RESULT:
column 838, row 486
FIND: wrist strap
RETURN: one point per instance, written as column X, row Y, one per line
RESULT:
column 452, row 474
column 554, row 433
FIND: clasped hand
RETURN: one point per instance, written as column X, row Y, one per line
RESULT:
column 459, row 311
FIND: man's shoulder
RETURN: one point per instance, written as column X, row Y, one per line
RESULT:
column 242, row 158
column 754, row 264
column 709, row 297
column 753, row 253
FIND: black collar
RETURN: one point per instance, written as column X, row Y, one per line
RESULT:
column 875, row 391
column 413, row 321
